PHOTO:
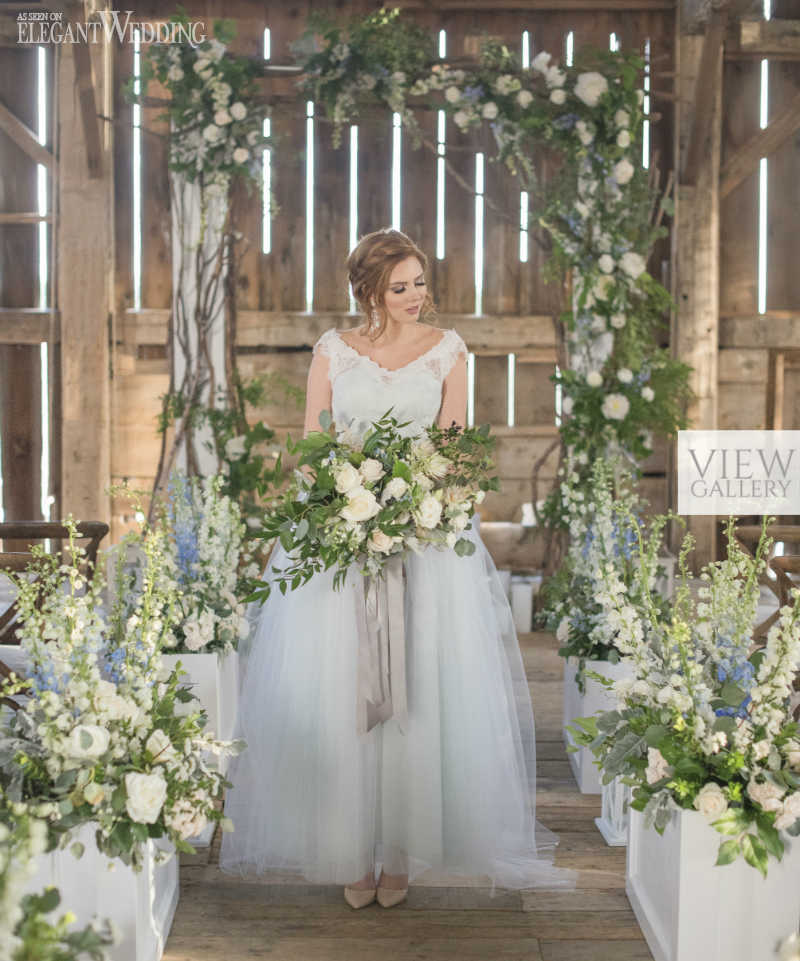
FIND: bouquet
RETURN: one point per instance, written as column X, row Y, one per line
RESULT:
column 706, row 721
column 106, row 736
column 366, row 500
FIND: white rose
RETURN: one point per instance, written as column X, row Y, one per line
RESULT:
column 146, row 796
column 452, row 94
column 186, row 819
column 594, row 378
column 88, row 741
column 711, row 801
column 429, row 512
column 623, row 139
column 618, row 321
column 211, row 133
column 767, row 795
column 489, row 111
column 160, row 746
column 590, row 87
column 361, row 505
column 241, row 155
column 379, row 541
column 790, row 812
column 622, row 118
column 524, row 97
column 394, row 489
column 236, row 448
column 93, row 793
column 567, row 403
column 657, row 767
column 606, row 263
column 238, row 110
column 616, row 406
column 371, row 469
column 461, row 118
column 633, row 264
column 648, row 393
column 222, row 117
column 347, row 478
column 623, row 171
column 541, row 61
column 558, row 96
column 625, row 375
column 554, row 77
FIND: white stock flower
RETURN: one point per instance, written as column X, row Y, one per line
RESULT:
column 238, row 110
column 558, row 96
column 524, row 97
column 394, row 489
column 88, row 741
column 193, row 635
column 710, row 801
column 623, row 139
column 594, row 378
column 146, row 796
column 379, row 541
column 371, row 469
column 361, row 505
column 554, row 77
column 606, row 263
column 622, row 118
column 200, row 65
column 616, row 406
column 429, row 512
column 624, row 375
column 489, row 111
column 623, row 171
column 633, row 264
column 241, row 155
column 790, row 812
column 590, row 87
column 541, row 61
column 452, row 95
column 585, row 135
column 657, row 767
column 346, row 477
column 160, row 746
column 235, row 448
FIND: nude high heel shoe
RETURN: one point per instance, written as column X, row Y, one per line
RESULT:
column 389, row 897
column 359, row 897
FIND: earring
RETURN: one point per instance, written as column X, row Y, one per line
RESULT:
column 374, row 322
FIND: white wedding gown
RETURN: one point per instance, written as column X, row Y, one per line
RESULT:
column 453, row 794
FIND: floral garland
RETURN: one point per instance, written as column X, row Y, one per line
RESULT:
column 620, row 387
column 706, row 722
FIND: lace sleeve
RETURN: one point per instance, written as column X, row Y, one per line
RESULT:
column 453, row 348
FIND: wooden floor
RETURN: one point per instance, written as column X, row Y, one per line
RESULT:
column 222, row 918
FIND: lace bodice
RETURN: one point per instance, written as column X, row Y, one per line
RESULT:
column 362, row 390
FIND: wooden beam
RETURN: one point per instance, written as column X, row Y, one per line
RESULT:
column 746, row 159
column 26, row 218
column 271, row 329
column 773, row 39
column 24, row 137
column 89, row 120
column 706, row 92
column 776, row 328
column 28, row 326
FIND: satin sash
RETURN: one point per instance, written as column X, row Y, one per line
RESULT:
column 382, row 648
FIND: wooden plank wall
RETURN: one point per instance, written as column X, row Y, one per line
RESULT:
column 753, row 347
column 275, row 333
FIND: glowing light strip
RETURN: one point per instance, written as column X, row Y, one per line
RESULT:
column 266, row 171
column 470, row 389
column 479, row 233
column 646, row 107
column 523, row 226
column 570, row 48
column 41, row 196
column 137, row 175
column 397, row 157
column 309, row 205
column 442, row 43
column 557, row 400
column 613, row 42
column 440, row 184
column 763, row 173
column 353, row 213
column 512, row 370
column 526, row 50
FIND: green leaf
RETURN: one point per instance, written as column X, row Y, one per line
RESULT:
column 655, row 735
column 772, row 840
column 731, row 694
column 755, row 853
column 302, row 529
column 733, row 821
column 325, row 419
column 728, row 851
column 77, row 849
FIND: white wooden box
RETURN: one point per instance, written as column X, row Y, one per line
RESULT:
column 594, row 699
column 691, row 909
column 141, row 905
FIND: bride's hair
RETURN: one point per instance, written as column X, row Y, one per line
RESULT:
column 369, row 267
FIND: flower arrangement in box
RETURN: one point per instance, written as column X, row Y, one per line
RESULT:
column 706, row 723
column 105, row 737
column 601, row 536
column 366, row 500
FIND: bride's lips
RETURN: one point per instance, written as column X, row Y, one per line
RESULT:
column 412, row 310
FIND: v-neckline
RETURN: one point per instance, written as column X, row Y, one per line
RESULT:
column 390, row 370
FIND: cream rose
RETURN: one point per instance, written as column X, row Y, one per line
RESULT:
column 623, row 139
column 711, row 801
column 618, row 321
column 429, row 512
column 371, row 469
column 361, row 505
column 108, row 702
column 625, row 375
column 146, row 796
column 241, row 155
column 346, row 478
column 590, row 87
column 562, row 631
column 238, row 110
column 160, row 746
column 489, row 111
column 88, row 741
column 394, row 489
column 379, row 541
column 541, row 61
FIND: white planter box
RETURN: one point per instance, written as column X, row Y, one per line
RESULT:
column 141, row 905
column 613, row 820
column 690, row 909
column 595, row 699
column 214, row 680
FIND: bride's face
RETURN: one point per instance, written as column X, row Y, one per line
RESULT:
column 406, row 291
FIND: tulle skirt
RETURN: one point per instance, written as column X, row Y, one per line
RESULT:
column 453, row 793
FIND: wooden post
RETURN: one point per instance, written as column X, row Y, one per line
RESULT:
column 85, row 258
column 696, row 328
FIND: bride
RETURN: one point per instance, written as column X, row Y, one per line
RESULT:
column 453, row 789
